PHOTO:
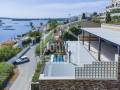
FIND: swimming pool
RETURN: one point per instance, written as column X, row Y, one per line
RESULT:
column 58, row 58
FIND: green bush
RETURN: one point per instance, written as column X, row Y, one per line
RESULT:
column 34, row 34
column 26, row 42
column 6, row 70
column 75, row 30
column 7, row 52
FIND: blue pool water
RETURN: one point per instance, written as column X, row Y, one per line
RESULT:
column 58, row 58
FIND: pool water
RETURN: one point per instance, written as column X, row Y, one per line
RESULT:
column 58, row 58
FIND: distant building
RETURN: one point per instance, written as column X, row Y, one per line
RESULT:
column 114, row 10
column 86, row 17
column 102, row 17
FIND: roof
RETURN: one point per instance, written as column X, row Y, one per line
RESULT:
column 107, row 34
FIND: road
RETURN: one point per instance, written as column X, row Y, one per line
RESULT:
column 23, row 81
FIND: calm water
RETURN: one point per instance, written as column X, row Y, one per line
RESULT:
column 20, row 27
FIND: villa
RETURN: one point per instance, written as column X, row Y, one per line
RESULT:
column 93, row 64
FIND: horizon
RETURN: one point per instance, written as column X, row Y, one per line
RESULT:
column 50, row 8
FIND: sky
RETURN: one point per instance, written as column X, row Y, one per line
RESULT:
column 49, row 8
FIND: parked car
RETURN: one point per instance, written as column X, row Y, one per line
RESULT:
column 21, row 60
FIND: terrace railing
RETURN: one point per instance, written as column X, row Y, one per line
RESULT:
column 98, row 71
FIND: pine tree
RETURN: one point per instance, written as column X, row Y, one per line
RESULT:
column 108, row 17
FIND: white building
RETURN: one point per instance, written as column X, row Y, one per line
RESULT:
column 114, row 8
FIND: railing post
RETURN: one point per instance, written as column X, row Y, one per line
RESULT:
column 99, row 50
column 118, row 63
column 83, row 37
column 89, row 41
column 118, row 47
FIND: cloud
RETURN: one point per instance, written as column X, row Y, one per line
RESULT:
column 15, row 9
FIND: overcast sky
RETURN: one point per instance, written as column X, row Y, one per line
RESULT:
column 49, row 8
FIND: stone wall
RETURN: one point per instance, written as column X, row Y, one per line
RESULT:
column 76, row 85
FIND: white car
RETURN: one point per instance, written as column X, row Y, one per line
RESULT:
column 22, row 59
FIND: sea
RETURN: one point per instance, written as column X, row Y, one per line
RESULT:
column 10, row 29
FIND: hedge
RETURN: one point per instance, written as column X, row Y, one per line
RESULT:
column 6, row 70
column 7, row 52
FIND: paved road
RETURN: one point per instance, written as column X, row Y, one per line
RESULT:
column 26, row 71
column 23, row 81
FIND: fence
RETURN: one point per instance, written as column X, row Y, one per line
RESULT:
column 98, row 71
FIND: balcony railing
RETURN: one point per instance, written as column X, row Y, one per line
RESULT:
column 98, row 71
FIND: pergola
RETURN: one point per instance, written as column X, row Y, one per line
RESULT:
column 109, row 35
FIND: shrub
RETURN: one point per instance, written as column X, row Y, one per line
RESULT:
column 26, row 42
column 75, row 30
column 34, row 34
column 7, row 52
column 6, row 70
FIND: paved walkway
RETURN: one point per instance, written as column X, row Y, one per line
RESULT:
column 107, row 52
column 79, row 55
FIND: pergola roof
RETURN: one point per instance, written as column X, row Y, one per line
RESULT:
column 106, row 34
